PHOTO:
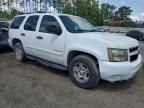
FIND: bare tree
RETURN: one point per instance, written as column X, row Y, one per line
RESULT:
column 4, row 5
column 16, row 4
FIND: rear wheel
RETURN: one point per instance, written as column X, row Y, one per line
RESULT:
column 84, row 72
column 19, row 52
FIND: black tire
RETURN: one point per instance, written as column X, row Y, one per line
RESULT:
column 19, row 47
column 93, row 71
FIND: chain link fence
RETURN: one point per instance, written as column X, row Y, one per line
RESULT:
column 120, row 29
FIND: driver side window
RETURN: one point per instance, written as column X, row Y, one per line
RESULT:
column 47, row 22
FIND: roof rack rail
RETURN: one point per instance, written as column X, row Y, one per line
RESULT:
column 42, row 12
column 35, row 12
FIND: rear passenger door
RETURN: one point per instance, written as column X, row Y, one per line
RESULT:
column 28, row 34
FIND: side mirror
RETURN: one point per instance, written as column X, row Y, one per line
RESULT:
column 54, row 29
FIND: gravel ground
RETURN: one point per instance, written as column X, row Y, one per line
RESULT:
column 32, row 85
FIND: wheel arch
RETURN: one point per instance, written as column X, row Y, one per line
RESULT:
column 15, row 40
column 75, row 53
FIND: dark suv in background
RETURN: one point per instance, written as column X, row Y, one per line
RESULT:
column 136, row 35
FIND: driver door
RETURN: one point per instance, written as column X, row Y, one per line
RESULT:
column 50, row 46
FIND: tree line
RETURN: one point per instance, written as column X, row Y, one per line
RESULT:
column 96, row 13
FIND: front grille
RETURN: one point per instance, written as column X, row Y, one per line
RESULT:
column 134, row 49
column 133, row 57
column 134, row 52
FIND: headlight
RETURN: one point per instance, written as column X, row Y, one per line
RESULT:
column 117, row 55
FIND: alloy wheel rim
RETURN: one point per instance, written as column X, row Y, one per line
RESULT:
column 18, row 53
column 81, row 72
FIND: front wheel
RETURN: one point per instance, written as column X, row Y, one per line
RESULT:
column 19, row 52
column 84, row 72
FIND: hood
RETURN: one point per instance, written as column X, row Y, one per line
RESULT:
column 111, row 39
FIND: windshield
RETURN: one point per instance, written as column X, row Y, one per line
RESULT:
column 75, row 24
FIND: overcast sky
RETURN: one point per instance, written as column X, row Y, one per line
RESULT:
column 136, row 5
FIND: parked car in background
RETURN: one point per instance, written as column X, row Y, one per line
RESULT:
column 71, row 43
column 114, row 31
column 4, row 34
column 105, row 30
column 136, row 35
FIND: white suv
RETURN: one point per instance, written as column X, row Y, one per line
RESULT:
column 71, row 43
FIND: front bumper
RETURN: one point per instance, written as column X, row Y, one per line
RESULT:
column 118, row 71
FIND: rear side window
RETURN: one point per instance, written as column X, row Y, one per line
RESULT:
column 31, row 23
column 17, row 22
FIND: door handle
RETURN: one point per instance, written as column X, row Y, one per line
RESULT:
column 39, row 37
column 22, row 34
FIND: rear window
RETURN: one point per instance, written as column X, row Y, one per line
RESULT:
column 17, row 22
column 31, row 23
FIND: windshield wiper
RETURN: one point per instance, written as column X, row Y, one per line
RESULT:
column 80, row 31
column 83, row 31
column 93, row 30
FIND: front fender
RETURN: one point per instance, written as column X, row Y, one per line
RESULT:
column 81, row 50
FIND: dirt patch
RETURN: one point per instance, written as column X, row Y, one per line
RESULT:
column 32, row 85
